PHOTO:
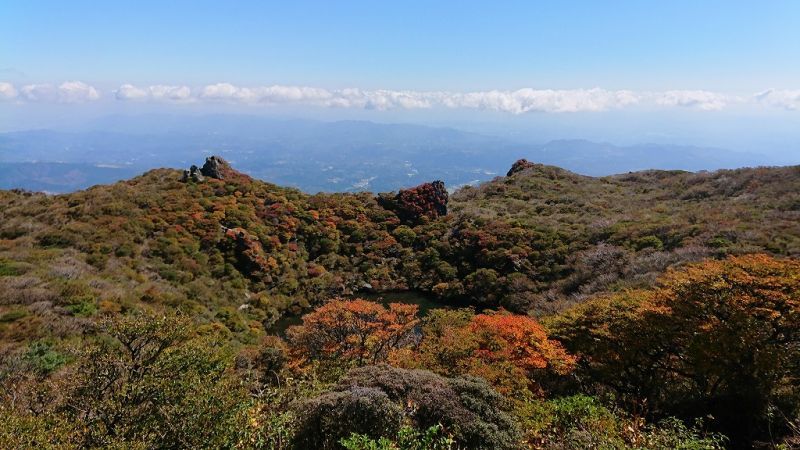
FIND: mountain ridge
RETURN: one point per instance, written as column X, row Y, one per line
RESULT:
column 521, row 242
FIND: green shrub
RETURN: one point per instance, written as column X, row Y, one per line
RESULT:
column 42, row 358
column 407, row 439
column 56, row 239
column 382, row 398
column 85, row 307
column 125, row 249
column 672, row 433
column 651, row 241
column 580, row 422
column 13, row 315
column 9, row 268
column 405, row 235
column 328, row 418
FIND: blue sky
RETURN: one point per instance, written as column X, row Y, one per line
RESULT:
column 460, row 45
column 412, row 60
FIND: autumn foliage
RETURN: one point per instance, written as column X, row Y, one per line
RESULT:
column 719, row 338
column 353, row 332
column 646, row 316
column 520, row 340
column 512, row 352
column 426, row 201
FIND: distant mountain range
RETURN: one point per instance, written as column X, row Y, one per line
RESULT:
column 317, row 156
column 58, row 177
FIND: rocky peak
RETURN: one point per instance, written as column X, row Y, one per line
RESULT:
column 426, row 201
column 216, row 167
column 519, row 166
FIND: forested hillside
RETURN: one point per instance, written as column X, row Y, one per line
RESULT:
column 575, row 312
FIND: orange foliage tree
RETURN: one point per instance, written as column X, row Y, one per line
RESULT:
column 519, row 341
column 718, row 338
column 353, row 332
column 511, row 351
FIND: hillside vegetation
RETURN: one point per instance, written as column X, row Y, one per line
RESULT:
column 548, row 282
column 581, row 235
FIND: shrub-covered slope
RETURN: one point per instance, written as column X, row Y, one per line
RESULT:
column 240, row 252
column 133, row 315
column 557, row 237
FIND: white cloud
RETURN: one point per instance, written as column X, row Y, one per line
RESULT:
column 130, row 92
column 225, row 91
column 38, row 93
column 286, row 94
column 516, row 102
column 158, row 92
column 786, row 99
column 546, row 100
column 267, row 94
column 66, row 92
column 76, row 92
column 7, row 91
column 171, row 93
column 705, row 100
column 519, row 101
column 382, row 99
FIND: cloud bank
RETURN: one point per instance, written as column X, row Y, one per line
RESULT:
column 66, row 92
column 158, row 92
column 518, row 101
column 704, row 100
column 515, row 102
column 785, row 99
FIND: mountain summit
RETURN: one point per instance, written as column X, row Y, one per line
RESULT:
column 214, row 167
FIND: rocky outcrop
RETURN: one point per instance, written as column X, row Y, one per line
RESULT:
column 216, row 167
column 424, row 202
column 519, row 166
column 192, row 174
